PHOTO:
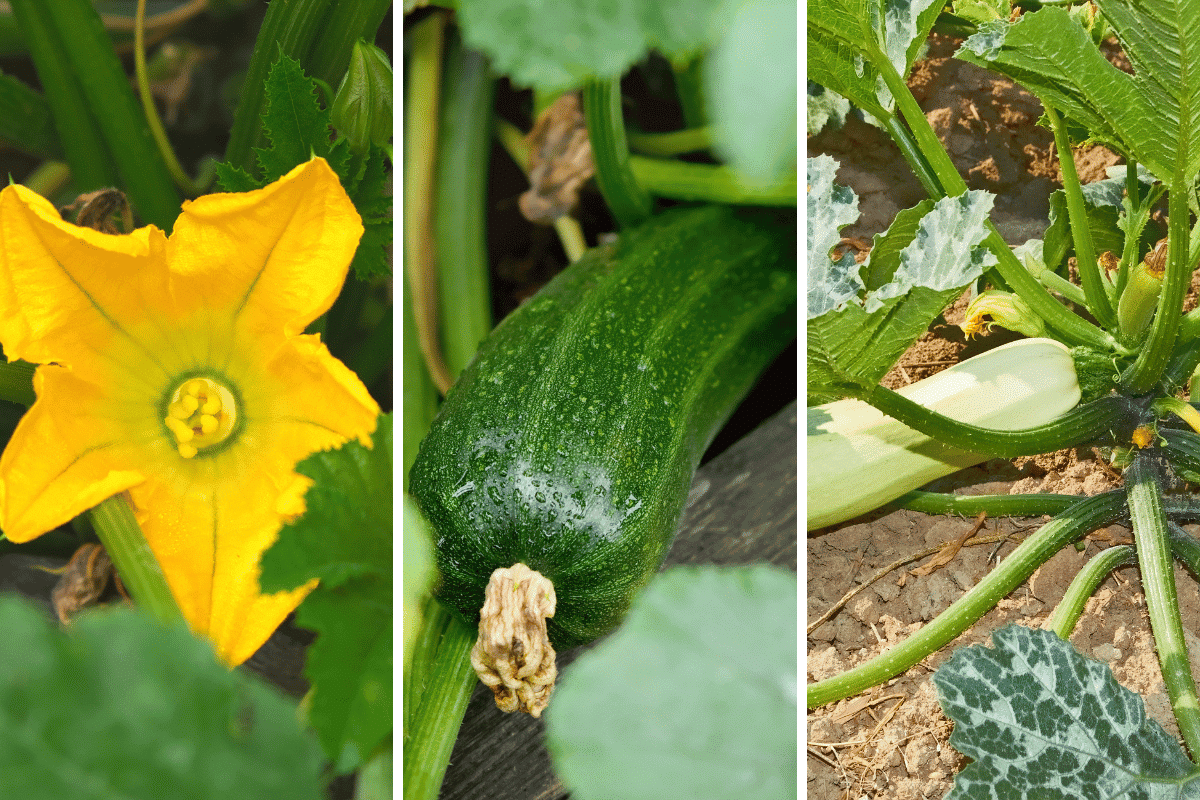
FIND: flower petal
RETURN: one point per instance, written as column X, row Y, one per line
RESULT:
column 208, row 537
column 64, row 458
column 311, row 401
column 274, row 258
column 65, row 291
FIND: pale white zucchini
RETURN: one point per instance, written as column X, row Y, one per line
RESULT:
column 859, row 458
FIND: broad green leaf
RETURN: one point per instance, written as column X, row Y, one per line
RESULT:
column 751, row 90
column 1040, row 720
column 344, row 538
column 858, row 329
column 350, row 666
column 1153, row 115
column 560, row 45
column 850, row 41
column 118, row 706
column 346, row 531
column 694, row 696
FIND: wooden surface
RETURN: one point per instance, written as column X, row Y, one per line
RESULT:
column 742, row 510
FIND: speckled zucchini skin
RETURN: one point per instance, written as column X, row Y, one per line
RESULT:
column 570, row 441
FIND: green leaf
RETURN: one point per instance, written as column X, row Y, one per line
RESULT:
column 1153, row 114
column 345, row 540
column 1040, row 720
column 119, row 706
column 850, row 41
column 350, row 666
column 558, row 46
column 824, row 107
column 346, row 530
column 293, row 120
column 858, row 329
column 750, row 83
column 694, row 696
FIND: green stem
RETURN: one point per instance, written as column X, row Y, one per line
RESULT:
column 347, row 22
column 689, row 88
column 1185, row 548
column 711, row 183
column 1081, row 233
column 421, row 114
column 182, row 179
column 443, row 680
column 49, row 179
column 1074, row 329
column 995, row 505
column 628, row 201
column 917, row 162
column 1084, row 585
column 1085, row 516
column 460, row 205
column 674, row 143
column 1152, row 359
column 126, row 545
column 1084, row 423
column 1150, row 535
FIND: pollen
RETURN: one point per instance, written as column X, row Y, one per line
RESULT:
column 201, row 413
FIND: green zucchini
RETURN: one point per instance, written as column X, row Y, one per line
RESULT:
column 570, row 441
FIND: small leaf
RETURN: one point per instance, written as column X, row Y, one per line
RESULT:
column 694, row 696
column 294, row 120
column 1040, row 720
column 830, row 208
column 118, row 706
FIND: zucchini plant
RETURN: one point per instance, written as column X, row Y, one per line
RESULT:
column 1133, row 352
column 549, row 458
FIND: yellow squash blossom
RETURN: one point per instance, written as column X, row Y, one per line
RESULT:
column 175, row 368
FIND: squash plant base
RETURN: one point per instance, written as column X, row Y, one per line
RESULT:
column 903, row 754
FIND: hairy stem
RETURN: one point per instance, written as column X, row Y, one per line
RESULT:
column 1082, row 518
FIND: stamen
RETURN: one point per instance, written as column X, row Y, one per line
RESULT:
column 183, row 432
column 201, row 413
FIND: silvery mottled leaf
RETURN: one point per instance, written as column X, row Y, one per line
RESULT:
column 1040, row 720
column 944, row 254
column 830, row 208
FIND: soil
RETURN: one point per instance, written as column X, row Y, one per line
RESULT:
column 893, row 741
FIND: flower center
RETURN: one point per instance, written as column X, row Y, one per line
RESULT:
column 201, row 414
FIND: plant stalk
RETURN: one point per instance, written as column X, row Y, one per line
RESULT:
column 1073, row 328
column 1085, row 516
column 1084, row 585
column 1150, row 534
column 994, row 505
column 629, row 203
column 126, row 545
column 442, row 681
column 1081, row 233
column 1082, row 424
